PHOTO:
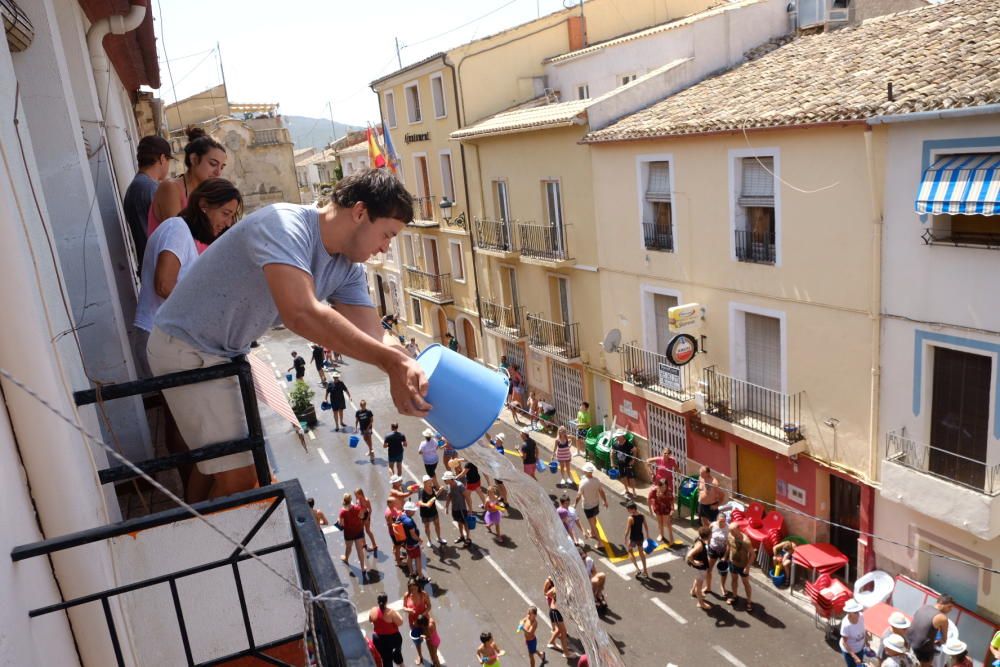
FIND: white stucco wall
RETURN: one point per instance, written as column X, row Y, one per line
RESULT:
column 715, row 42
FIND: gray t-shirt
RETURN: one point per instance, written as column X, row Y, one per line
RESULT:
column 457, row 496
column 138, row 198
column 224, row 302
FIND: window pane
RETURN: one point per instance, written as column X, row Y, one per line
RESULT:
column 457, row 262
column 390, row 109
column 437, row 90
column 757, row 185
column 418, row 315
column 413, row 104
column 763, row 350
column 503, row 204
column 658, row 185
column 446, row 177
column 960, row 414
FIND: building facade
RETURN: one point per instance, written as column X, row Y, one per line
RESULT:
column 938, row 438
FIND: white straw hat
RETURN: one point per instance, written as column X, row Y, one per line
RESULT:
column 428, row 433
column 501, row 436
column 954, row 647
column 895, row 642
column 589, row 468
column 852, row 606
column 898, row 620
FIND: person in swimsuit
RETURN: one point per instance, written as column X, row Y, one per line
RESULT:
column 204, row 158
column 335, row 391
column 429, row 511
column 492, row 514
column 488, row 652
column 353, row 525
column 661, row 504
column 740, row 555
column 411, row 536
column 710, row 496
column 635, row 536
column 563, row 511
column 416, row 603
column 396, row 531
column 564, row 454
column 717, row 545
column 366, row 514
column 529, row 626
column 558, row 623
column 385, row 631
column 318, row 358
column 318, row 513
column 597, row 579
column 697, row 559
column 429, row 631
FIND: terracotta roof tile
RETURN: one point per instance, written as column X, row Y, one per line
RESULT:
column 938, row 57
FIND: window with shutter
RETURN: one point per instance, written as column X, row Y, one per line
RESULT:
column 763, row 350
column 661, row 304
column 658, row 184
column 757, row 187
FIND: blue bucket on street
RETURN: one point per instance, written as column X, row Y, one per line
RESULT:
column 500, row 450
column 649, row 546
column 553, row 466
column 353, row 441
column 470, row 521
column 466, row 397
column 613, row 473
column 540, row 466
column 288, row 376
column 325, row 405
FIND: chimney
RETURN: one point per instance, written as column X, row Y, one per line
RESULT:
column 577, row 27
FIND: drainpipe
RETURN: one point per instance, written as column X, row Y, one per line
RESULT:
column 875, row 306
column 121, row 153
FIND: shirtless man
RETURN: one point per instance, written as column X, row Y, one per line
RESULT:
column 710, row 496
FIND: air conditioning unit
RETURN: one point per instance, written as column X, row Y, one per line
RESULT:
column 825, row 13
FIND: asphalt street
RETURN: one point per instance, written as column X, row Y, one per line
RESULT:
column 489, row 585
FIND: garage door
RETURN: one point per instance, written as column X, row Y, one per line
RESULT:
column 567, row 391
column 667, row 432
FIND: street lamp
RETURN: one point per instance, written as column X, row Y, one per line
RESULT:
column 446, row 205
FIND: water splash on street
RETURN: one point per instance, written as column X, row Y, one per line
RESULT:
column 559, row 554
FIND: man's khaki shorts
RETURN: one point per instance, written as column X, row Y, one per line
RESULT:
column 206, row 413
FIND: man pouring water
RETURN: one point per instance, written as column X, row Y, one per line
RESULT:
column 280, row 266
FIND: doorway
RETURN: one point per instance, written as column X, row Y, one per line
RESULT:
column 756, row 474
column 381, row 295
column 469, row 342
column 426, row 201
column 442, row 326
column 431, row 257
column 845, row 519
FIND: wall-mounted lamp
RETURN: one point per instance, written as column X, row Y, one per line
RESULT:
column 446, row 205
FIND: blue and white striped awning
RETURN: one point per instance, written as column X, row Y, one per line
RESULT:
column 965, row 183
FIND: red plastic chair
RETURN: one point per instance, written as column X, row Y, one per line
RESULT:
column 828, row 595
column 773, row 524
column 752, row 517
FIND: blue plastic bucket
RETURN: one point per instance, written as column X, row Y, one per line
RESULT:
column 540, row 466
column 553, row 466
column 500, row 450
column 466, row 397
column 649, row 546
column 325, row 405
column 613, row 473
column 470, row 521
column 288, row 376
column 353, row 441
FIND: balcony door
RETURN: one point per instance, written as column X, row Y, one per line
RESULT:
column 508, row 286
column 661, row 304
column 960, row 416
column 763, row 367
column 553, row 214
column 431, row 256
column 425, row 208
column 559, row 303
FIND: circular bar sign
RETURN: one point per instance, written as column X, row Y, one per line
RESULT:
column 681, row 349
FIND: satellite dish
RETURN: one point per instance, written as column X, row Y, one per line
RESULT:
column 612, row 340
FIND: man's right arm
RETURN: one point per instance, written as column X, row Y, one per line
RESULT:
column 293, row 291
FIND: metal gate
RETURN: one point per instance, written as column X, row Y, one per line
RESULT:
column 567, row 391
column 667, row 431
column 515, row 355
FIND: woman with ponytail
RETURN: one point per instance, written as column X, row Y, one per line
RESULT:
column 204, row 158
column 386, row 622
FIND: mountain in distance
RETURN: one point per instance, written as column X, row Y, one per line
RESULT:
column 314, row 132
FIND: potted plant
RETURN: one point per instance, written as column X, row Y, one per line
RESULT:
column 301, row 398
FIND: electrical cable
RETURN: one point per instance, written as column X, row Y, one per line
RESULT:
column 464, row 25
column 166, row 57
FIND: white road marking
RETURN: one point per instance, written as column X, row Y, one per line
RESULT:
column 268, row 355
column 669, row 612
column 322, row 455
column 513, row 585
column 651, row 561
column 312, row 435
column 278, row 375
column 732, row 659
column 274, row 365
column 336, row 480
column 329, row 529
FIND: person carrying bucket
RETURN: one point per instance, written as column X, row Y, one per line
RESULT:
column 364, row 422
column 411, row 537
column 428, row 450
column 529, row 452
column 456, row 503
column 636, row 535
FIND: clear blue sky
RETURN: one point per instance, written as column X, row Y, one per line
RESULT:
column 303, row 53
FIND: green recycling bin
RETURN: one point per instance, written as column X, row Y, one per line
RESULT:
column 602, row 451
column 687, row 496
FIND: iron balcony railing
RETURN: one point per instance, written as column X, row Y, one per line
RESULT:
column 756, row 247
column 961, row 239
column 336, row 639
column 753, row 407
column 652, row 371
column 558, row 339
column 658, row 237
column 962, row 470
column 436, row 286
column 494, row 235
column 425, row 208
column 508, row 321
column 542, row 241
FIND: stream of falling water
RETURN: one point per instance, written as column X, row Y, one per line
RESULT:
column 563, row 562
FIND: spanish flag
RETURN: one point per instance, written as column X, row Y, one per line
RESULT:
column 376, row 158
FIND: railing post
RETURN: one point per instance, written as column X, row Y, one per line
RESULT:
column 252, row 413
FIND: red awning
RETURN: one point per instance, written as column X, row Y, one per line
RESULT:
column 268, row 390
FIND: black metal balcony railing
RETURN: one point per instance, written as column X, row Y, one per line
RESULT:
column 753, row 407
column 542, row 241
column 494, row 235
column 658, row 237
column 962, row 470
column 653, row 372
column 436, row 286
column 558, row 339
column 338, row 639
column 757, row 247
column 425, row 208
column 507, row 321
column 961, row 239
column 254, row 442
